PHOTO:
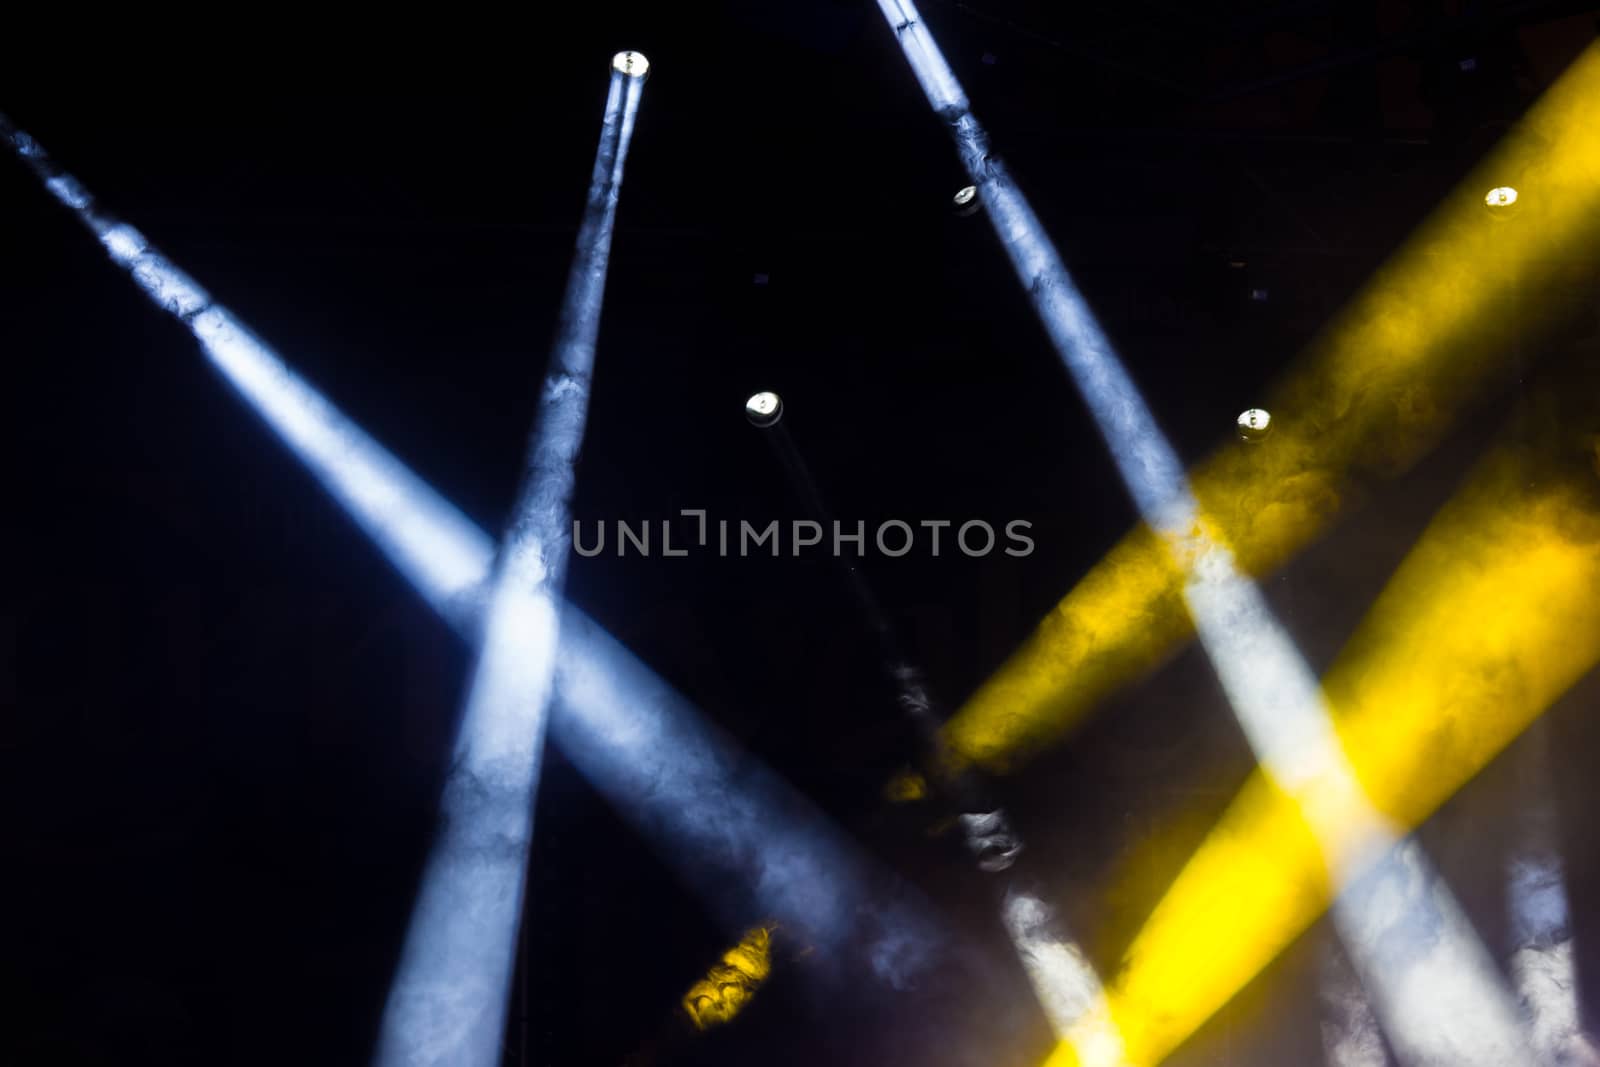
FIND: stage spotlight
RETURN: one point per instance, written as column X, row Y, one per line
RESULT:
column 633, row 64
column 1254, row 424
column 1501, row 196
column 965, row 202
column 764, row 409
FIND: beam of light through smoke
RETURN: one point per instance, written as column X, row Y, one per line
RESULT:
column 1064, row 982
column 730, row 828
column 423, row 536
column 1428, row 335
column 1542, row 965
column 1350, row 1034
column 1543, row 968
column 1402, row 928
column 1487, row 621
column 447, row 1003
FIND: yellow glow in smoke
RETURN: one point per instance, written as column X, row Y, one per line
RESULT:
column 1371, row 394
column 1489, row 619
column 907, row 787
column 729, row 985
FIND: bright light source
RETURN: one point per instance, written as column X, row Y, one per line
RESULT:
column 1501, row 198
column 763, row 409
column 1254, row 424
column 633, row 64
column 964, row 195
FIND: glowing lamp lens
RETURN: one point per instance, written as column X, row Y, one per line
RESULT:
column 1254, row 424
column 633, row 64
column 763, row 409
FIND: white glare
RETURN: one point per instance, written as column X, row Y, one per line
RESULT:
column 763, row 409
column 1403, row 931
column 1500, row 196
column 1254, row 424
column 964, row 195
column 633, row 64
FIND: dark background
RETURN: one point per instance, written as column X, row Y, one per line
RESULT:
column 229, row 716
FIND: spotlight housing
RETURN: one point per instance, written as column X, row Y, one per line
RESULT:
column 1502, row 201
column 764, row 409
column 965, row 202
column 633, row 64
column 1254, row 424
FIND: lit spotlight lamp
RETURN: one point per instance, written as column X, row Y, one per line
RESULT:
column 633, row 64
column 965, row 202
column 1501, row 201
column 764, row 409
column 1254, row 424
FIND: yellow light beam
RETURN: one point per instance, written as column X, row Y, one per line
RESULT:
column 1488, row 620
column 731, row 982
column 1422, row 340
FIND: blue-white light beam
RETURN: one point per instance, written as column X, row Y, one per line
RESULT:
column 1350, row 1033
column 1544, row 966
column 426, row 539
column 1434, row 985
column 753, row 848
column 447, row 1005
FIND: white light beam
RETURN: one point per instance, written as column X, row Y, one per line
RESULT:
column 1435, row 985
column 447, row 1004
